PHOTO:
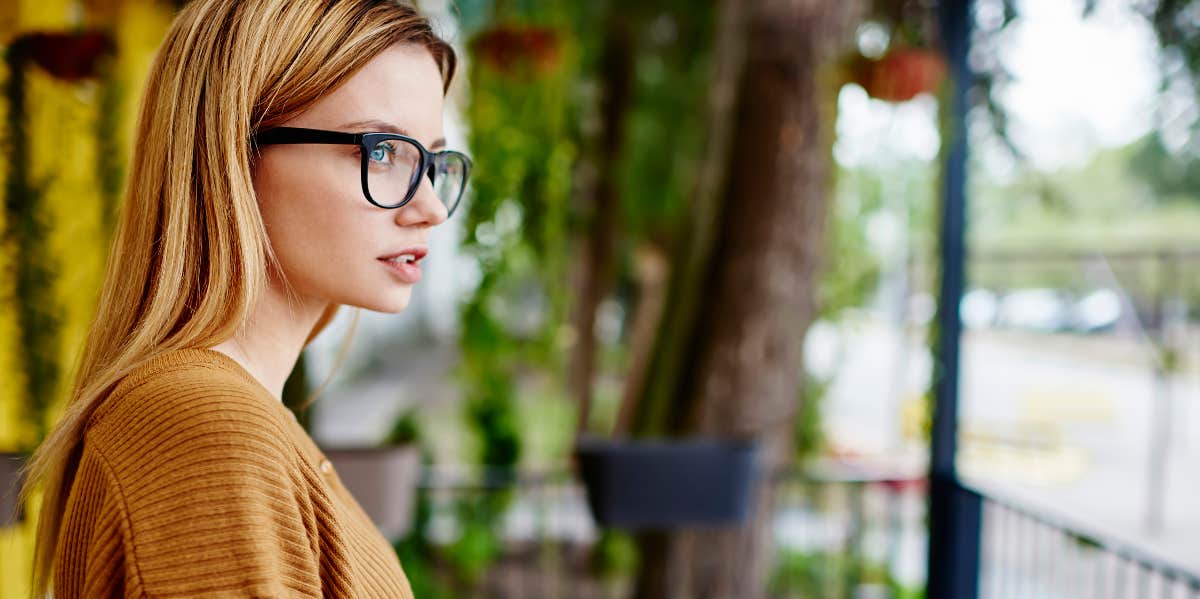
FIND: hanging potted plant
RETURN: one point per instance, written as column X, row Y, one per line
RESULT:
column 901, row 74
column 384, row 478
column 510, row 48
column 69, row 56
column 660, row 484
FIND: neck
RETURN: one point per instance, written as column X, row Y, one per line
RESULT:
column 270, row 343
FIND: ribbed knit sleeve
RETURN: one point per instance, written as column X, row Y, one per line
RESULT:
column 205, row 501
column 95, row 536
column 194, row 481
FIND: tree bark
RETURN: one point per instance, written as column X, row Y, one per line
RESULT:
column 597, row 251
column 741, row 375
column 651, row 266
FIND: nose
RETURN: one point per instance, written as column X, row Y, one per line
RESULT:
column 423, row 209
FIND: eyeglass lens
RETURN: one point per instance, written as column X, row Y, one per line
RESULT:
column 449, row 175
column 392, row 171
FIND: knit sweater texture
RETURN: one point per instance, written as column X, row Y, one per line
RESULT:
column 194, row 481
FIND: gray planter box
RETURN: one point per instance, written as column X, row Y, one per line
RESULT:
column 663, row 485
column 10, row 486
column 384, row 482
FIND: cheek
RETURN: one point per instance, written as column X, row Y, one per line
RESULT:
column 311, row 213
column 326, row 235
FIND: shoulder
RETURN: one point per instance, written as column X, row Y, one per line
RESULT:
column 197, row 384
column 182, row 409
column 213, row 491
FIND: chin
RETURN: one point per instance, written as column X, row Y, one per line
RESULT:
column 390, row 305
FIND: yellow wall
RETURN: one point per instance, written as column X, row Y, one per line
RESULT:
column 77, row 238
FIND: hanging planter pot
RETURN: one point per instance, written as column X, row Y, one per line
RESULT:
column 900, row 75
column 384, row 482
column 11, row 512
column 67, row 56
column 508, row 47
column 668, row 484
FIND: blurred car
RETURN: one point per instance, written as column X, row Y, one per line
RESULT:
column 1039, row 310
column 1097, row 311
column 979, row 309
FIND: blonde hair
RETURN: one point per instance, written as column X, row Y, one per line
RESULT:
column 190, row 255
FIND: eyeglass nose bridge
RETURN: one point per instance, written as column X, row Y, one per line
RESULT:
column 430, row 170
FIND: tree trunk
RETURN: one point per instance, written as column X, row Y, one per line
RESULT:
column 651, row 266
column 741, row 373
column 596, row 259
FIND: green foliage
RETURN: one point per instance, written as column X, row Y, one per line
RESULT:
column 1114, row 203
column 469, row 556
column 495, row 417
column 517, row 228
column 421, row 573
column 831, row 574
column 850, row 275
column 1169, row 175
column 416, row 552
column 802, row 574
column 1174, row 24
column 110, row 155
column 616, row 555
column 477, row 545
column 296, row 391
column 851, row 271
column 665, row 127
column 27, row 228
column 808, row 436
column 404, row 431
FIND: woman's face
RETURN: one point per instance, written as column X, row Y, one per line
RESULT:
column 328, row 238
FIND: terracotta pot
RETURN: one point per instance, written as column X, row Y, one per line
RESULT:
column 10, row 484
column 668, row 484
column 68, row 56
column 506, row 46
column 384, row 482
column 902, row 74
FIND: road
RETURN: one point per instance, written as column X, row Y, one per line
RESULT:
column 1061, row 422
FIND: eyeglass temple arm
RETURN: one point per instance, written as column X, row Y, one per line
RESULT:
column 299, row 135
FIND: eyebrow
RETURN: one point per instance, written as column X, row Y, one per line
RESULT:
column 378, row 125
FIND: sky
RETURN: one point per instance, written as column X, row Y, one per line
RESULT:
column 1078, row 85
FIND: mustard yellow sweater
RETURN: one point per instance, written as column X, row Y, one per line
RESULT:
column 195, row 482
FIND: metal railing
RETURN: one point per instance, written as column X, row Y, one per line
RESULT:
column 836, row 534
column 1029, row 552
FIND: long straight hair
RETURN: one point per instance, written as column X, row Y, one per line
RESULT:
column 190, row 255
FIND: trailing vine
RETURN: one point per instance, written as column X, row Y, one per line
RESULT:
column 110, row 155
column 73, row 56
column 517, row 228
column 39, row 315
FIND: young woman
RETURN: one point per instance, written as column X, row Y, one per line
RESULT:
column 289, row 159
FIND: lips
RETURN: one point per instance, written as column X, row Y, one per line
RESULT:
column 405, row 264
column 416, row 253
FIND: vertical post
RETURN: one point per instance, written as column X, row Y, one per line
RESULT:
column 1170, row 324
column 955, row 514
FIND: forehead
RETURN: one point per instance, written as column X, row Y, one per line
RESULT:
column 401, row 86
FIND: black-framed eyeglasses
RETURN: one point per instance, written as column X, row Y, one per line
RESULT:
column 392, row 164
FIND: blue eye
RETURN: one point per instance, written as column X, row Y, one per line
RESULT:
column 383, row 152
